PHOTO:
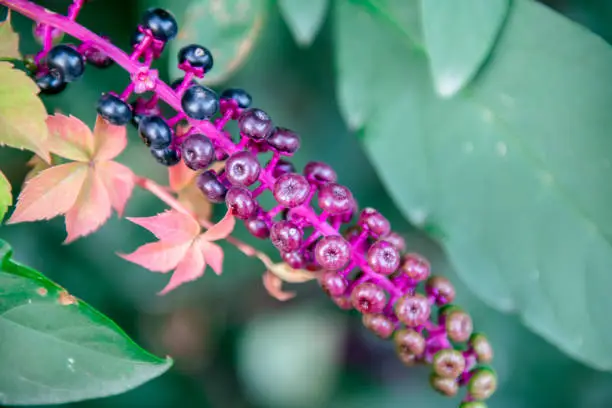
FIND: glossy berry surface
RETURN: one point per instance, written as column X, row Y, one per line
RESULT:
column 282, row 167
column 199, row 102
column 284, row 141
column 415, row 267
column 50, row 82
column 240, row 96
column 374, row 222
column 197, row 56
column 379, row 324
column 291, row 190
column 459, row 325
column 295, row 259
column 383, row 257
column 285, row 236
column 240, row 202
column 368, row 298
column 258, row 228
column 165, row 156
column 67, row 60
column 197, row 151
column 161, row 23
column 397, row 241
column 242, row 168
column 333, row 284
column 335, row 199
column 332, row 252
column 412, row 310
column 213, row 189
column 441, row 289
column 255, row 124
column 155, row 132
column 320, row 173
column 114, row 110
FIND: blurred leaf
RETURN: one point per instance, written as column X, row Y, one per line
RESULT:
column 56, row 348
column 9, row 40
column 22, row 114
column 37, row 165
column 6, row 199
column 459, row 37
column 228, row 28
column 515, row 172
column 304, row 18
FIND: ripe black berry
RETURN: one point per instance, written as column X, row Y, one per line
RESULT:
column 255, row 124
column 284, row 141
column 412, row 310
column 51, row 82
column 285, row 236
column 319, row 173
column 212, row 188
column 165, row 156
column 67, row 60
column 383, row 257
column 240, row 202
column 242, row 168
column 291, row 190
column 368, row 298
column 199, row 102
column 240, row 96
column 155, row 132
column 197, row 56
column 161, row 23
column 114, row 110
column 335, row 199
column 332, row 252
column 197, row 151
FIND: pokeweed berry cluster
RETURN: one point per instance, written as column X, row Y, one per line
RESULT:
column 363, row 266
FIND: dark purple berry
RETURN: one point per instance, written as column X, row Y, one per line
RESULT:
column 458, row 325
column 374, row 222
column 212, row 188
column 383, row 257
column 291, row 190
column 50, row 82
column 197, row 151
column 368, row 298
column 445, row 386
column 240, row 96
column 409, row 341
column 242, row 168
column 282, row 167
column 441, row 289
column 333, row 284
column 114, row 110
column 165, row 155
column 482, row 384
column 136, row 38
column 284, row 141
column 155, row 132
column 319, row 173
column 258, row 228
column 97, row 57
column 240, row 202
column 294, row 259
column 255, row 124
column 448, row 363
column 415, row 267
column 197, row 56
column 332, row 252
column 199, row 102
column 285, row 236
column 482, row 347
column 379, row 324
column 67, row 60
column 412, row 310
column 161, row 23
column 335, row 199
column 396, row 240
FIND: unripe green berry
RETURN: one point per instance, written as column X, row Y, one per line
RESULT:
column 482, row 347
column 483, row 383
column 445, row 386
column 448, row 363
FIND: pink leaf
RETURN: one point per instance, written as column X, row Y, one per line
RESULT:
column 109, row 140
column 180, row 176
column 213, row 255
column 158, row 256
column 190, row 268
column 170, row 226
column 119, row 182
column 91, row 209
column 221, row 229
column 273, row 285
column 70, row 138
column 53, row 191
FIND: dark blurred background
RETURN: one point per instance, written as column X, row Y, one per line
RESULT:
column 234, row 346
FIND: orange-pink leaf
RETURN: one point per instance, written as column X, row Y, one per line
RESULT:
column 190, row 268
column 53, row 191
column 170, row 226
column 158, row 256
column 109, row 140
column 70, row 138
column 221, row 229
column 180, row 176
column 91, row 209
column 119, row 182
column 213, row 255
column 273, row 285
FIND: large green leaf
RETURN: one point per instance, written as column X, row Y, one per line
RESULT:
column 514, row 173
column 55, row 348
column 304, row 18
column 459, row 36
column 228, row 28
column 6, row 199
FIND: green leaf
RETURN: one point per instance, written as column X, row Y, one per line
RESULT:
column 9, row 40
column 304, row 18
column 56, row 348
column 22, row 113
column 6, row 199
column 228, row 28
column 514, row 172
column 459, row 35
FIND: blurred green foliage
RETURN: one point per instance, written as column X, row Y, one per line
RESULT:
column 233, row 345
